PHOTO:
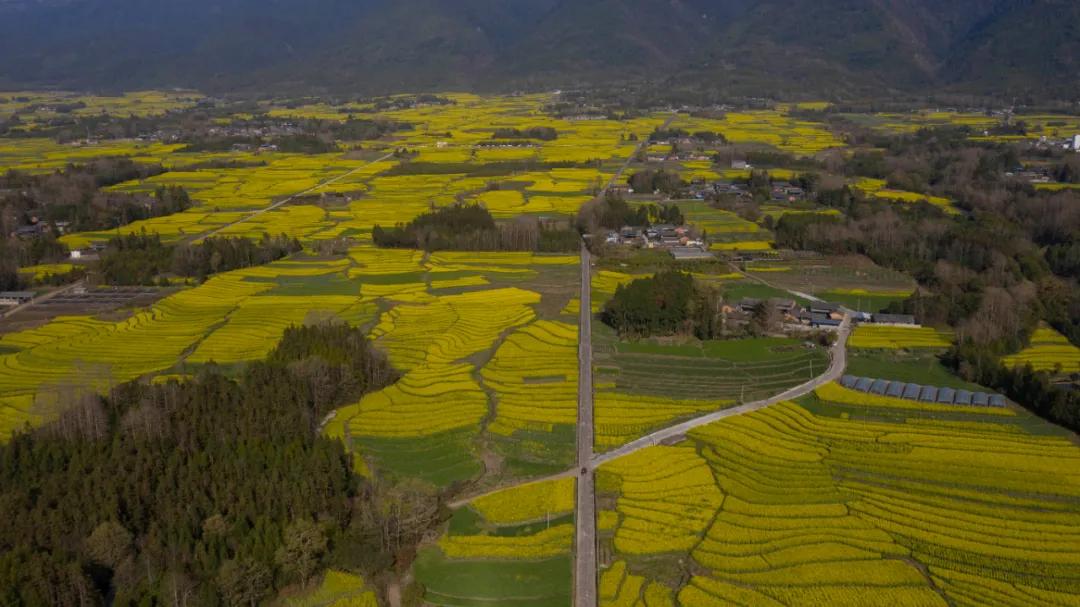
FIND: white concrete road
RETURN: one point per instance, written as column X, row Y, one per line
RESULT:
column 585, row 565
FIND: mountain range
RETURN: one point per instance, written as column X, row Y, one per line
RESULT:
column 764, row 47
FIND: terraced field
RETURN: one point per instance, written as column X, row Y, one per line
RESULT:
column 840, row 498
column 853, row 281
column 826, row 502
column 534, row 373
column 465, row 339
column 1048, row 351
column 473, row 366
column 724, row 230
column 897, row 337
column 644, row 386
column 768, row 127
column 457, row 159
column 877, row 188
column 508, row 548
column 337, row 589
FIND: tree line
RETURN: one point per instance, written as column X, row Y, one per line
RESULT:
column 648, row 181
column 993, row 271
column 470, row 227
column 613, row 212
column 671, row 302
column 143, row 259
column 542, row 133
column 484, row 169
column 74, row 196
column 1032, row 389
column 213, row 491
column 702, row 136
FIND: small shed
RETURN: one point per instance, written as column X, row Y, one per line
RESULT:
column 894, row 319
column 690, row 254
column 15, row 298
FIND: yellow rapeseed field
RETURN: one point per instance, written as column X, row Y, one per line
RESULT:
column 668, row 496
column 534, row 372
column 890, row 337
column 550, row 542
column 1049, row 351
column 337, row 589
column 527, row 503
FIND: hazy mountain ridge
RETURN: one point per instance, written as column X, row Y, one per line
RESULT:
column 387, row 45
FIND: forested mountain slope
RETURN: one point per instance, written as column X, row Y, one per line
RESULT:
column 381, row 45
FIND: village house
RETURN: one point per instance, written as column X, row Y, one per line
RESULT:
column 15, row 298
column 830, row 310
column 787, row 192
column 722, row 188
column 789, row 309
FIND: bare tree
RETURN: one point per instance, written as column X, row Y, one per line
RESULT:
column 244, row 581
column 303, row 549
column 70, row 411
column 147, row 421
column 177, row 588
column 402, row 514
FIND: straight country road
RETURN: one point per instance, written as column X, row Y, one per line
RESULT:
column 585, row 566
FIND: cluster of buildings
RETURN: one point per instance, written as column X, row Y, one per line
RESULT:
column 816, row 314
column 780, row 191
column 680, row 241
column 36, row 228
column 657, row 236
column 1031, row 175
column 702, row 190
column 1056, row 143
column 918, row 392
